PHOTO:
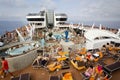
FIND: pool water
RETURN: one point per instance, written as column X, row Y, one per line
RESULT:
column 58, row 36
column 20, row 50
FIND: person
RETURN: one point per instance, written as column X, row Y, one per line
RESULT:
column 5, row 68
column 90, row 71
column 102, row 77
column 99, row 69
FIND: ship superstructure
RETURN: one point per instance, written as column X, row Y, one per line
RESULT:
column 46, row 18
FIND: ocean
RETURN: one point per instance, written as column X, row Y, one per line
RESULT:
column 12, row 25
column 109, row 24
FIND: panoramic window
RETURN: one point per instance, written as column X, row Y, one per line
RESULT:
column 35, row 19
column 38, row 23
column 61, row 19
column 103, row 37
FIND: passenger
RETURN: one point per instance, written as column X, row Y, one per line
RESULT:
column 5, row 68
column 99, row 69
column 102, row 77
column 89, row 56
column 90, row 71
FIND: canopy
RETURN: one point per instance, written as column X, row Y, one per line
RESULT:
column 94, row 33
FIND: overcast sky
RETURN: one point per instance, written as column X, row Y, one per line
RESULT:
column 87, row 10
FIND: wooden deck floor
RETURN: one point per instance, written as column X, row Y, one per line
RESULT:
column 43, row 74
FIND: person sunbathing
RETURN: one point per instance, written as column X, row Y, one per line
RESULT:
column 99, row 69
column 54, row 66
column 102, row 77
column 90, row 71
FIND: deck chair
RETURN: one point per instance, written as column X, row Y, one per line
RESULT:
column 53, row 67
column 116, row 56
column 112, row 67
column 43, row 62
column 54, row 78
column 108, row 75
column 102, row 63
column 25, row 76
column 84, row 76
column 15, row 78
column 36, row 62
column 67, row 76
column 79, row 65
column 65, row 65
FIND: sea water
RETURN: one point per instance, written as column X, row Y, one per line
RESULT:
column 12, row 25
column 7, row 26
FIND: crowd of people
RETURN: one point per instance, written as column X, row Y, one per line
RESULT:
column 96, row 73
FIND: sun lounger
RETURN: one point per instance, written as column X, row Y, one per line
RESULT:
column 87, row 77
column 54, row 78
column 78, row 65
column 102, row 63
column 25, row 76
column 112, row 67
column 116, row 57
column 53, row 67
column 15, row 78
column 67, row 76
column 65, row 65
column 84, row 76
column 108, row 75
column 36, row 62
column 40, row 62
column 43, row 62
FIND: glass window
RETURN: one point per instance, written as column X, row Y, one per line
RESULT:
column 35, row 19
column 61, row 19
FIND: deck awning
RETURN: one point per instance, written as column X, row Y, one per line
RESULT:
column 94, row 33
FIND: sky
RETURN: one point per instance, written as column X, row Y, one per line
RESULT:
column 86, row 10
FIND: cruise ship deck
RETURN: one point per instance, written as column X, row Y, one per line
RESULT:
column 42, row 51
column 43, row 74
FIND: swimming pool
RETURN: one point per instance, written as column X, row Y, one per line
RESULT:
column 58, row 36
column 20, row 50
